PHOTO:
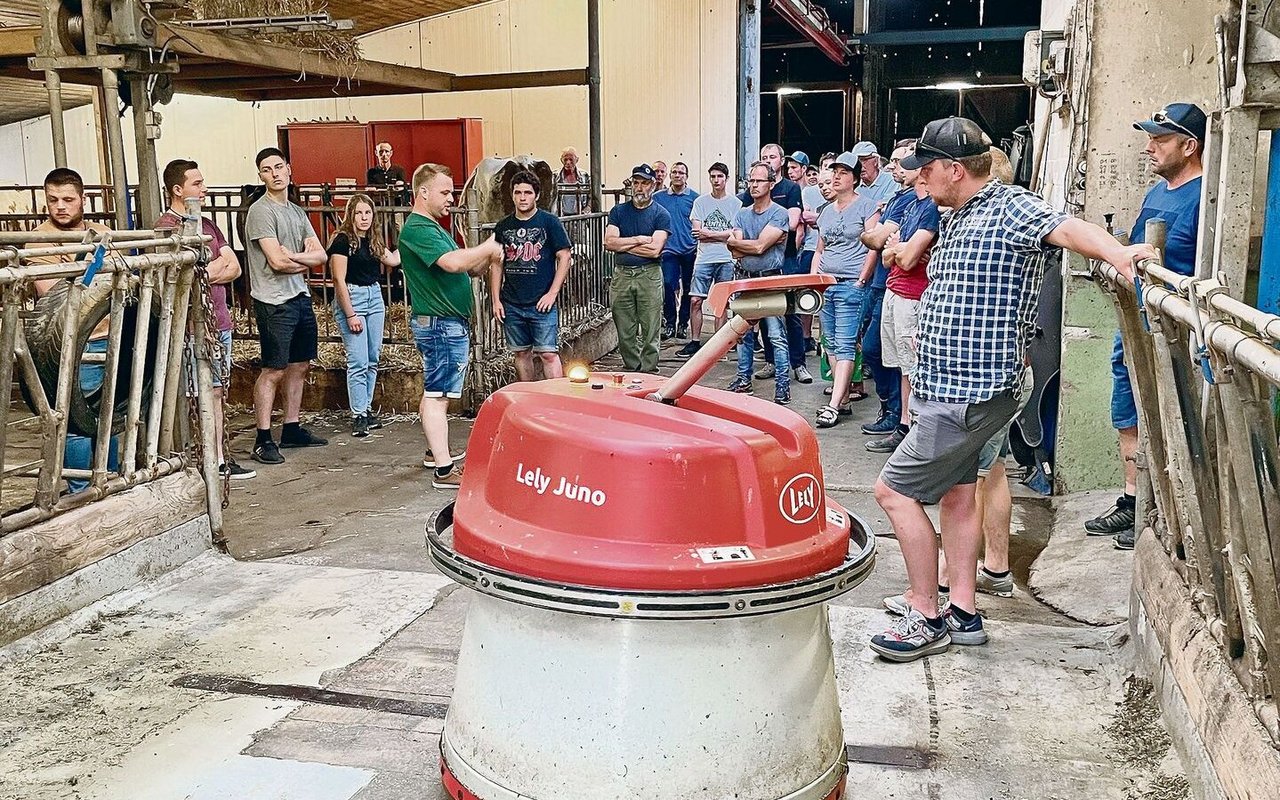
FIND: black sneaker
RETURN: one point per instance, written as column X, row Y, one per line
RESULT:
column 782, row 398
column 1124, row 540
column 668, row 332
column 740, row 385
column 688, row 350
column 1119, row 517
column 303, row 438
column 682, row 332
column 267, row 453
column 887, row 423
column 359, row 426
column 235, row 472
column 888, row 444
column 372, row 421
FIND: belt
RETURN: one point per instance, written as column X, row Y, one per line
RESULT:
column 768, row 273
column 423, row 319
column 640, row 266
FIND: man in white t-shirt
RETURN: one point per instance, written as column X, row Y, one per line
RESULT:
column 712, row 219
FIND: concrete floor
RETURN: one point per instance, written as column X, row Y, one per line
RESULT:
column 328, row 585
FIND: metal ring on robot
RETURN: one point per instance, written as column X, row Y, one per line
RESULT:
column 631, row 604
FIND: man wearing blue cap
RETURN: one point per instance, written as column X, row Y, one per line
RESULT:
column 637, row 232
column 1175, row 139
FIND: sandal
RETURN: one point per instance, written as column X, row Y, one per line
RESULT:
column 828, row 416
column 855, row 395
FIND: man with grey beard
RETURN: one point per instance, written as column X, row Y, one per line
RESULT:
column 636, row 232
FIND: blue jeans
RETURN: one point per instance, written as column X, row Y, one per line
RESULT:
column 842, row 318
column 527, row 328
column 1124, row 411
column 677, row 275
column 445, row 346
column 77, row 452
column 887, row 379
column 776, row 334
column 363, row 348
column 795, row 328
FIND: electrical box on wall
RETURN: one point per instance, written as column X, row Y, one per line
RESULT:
column 861, row 16
column 1045, row 59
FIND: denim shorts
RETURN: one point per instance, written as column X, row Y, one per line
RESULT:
column 705, row 275
column 842, row 318
column 527, row 328
column 1124, row 411
column 219, row 369
column 445, row 345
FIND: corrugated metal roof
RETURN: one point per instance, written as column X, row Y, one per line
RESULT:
column 27, row 99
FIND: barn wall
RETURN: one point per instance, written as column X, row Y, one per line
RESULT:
column 668, row 88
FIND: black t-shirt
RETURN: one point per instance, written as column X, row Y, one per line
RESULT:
column 377, row 176
column 785, row 193
column 363, row 267
column 529, row 250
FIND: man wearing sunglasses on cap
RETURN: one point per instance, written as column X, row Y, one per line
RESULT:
column 977, row 317
column 1175, row 139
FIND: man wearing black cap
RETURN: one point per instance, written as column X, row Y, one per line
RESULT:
column 976, row 318
column 1175, row 139
column 636, row 232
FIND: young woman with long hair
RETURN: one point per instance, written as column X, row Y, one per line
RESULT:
column 357, row 256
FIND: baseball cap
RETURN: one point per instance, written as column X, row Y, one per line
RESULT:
column 864, row 149
column 644, row 172
column 849, row 161
column 800, row 157
column 719, row 166
column 1184, row 118
column 951, row 138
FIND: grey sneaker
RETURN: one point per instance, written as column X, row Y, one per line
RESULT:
column 888, row 444
column 899, row 607
column 911, row 638
column 989, row 584
column 429, row 460
column 766, row 373
column 803, row 375
column 964, row 633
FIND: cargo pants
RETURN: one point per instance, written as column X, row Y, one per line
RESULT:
column 636, row 300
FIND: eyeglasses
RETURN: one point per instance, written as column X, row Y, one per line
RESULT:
column 758, row 180
column 1161, row 117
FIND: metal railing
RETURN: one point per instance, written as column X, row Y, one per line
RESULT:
column 1205, row 370
column 101, row 359
column 584, row 298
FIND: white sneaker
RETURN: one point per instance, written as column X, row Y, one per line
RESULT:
column 803, row 375
column 898, row 605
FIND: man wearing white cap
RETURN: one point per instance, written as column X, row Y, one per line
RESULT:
column 876, row 183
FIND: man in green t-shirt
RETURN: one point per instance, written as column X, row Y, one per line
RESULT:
column 437, row 273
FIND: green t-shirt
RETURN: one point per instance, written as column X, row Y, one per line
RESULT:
column 432, row 291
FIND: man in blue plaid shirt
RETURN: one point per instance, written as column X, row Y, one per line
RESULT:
column 976, row 319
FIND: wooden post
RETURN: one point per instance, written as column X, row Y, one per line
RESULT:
column 9, row 324
column 141, row 338
column 168, row 277
column 106, row 412
column 204, row 383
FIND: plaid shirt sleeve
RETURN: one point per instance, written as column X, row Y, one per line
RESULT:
column 1028, row 219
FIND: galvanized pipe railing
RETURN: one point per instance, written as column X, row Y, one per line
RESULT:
column 127, row 277
column 1205, row 371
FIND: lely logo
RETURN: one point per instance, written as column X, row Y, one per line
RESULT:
column 799, row 499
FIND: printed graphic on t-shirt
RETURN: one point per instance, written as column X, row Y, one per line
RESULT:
column 522, row 250
column 717, row 221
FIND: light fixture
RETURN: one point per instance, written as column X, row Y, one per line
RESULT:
column 790, row 90
column 578, row 373
column 953, row 86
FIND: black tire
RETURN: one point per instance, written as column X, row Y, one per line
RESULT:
column 44, row 329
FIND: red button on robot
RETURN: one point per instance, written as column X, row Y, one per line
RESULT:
column 649, row 619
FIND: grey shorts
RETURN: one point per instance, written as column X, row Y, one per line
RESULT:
column 944, row 445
